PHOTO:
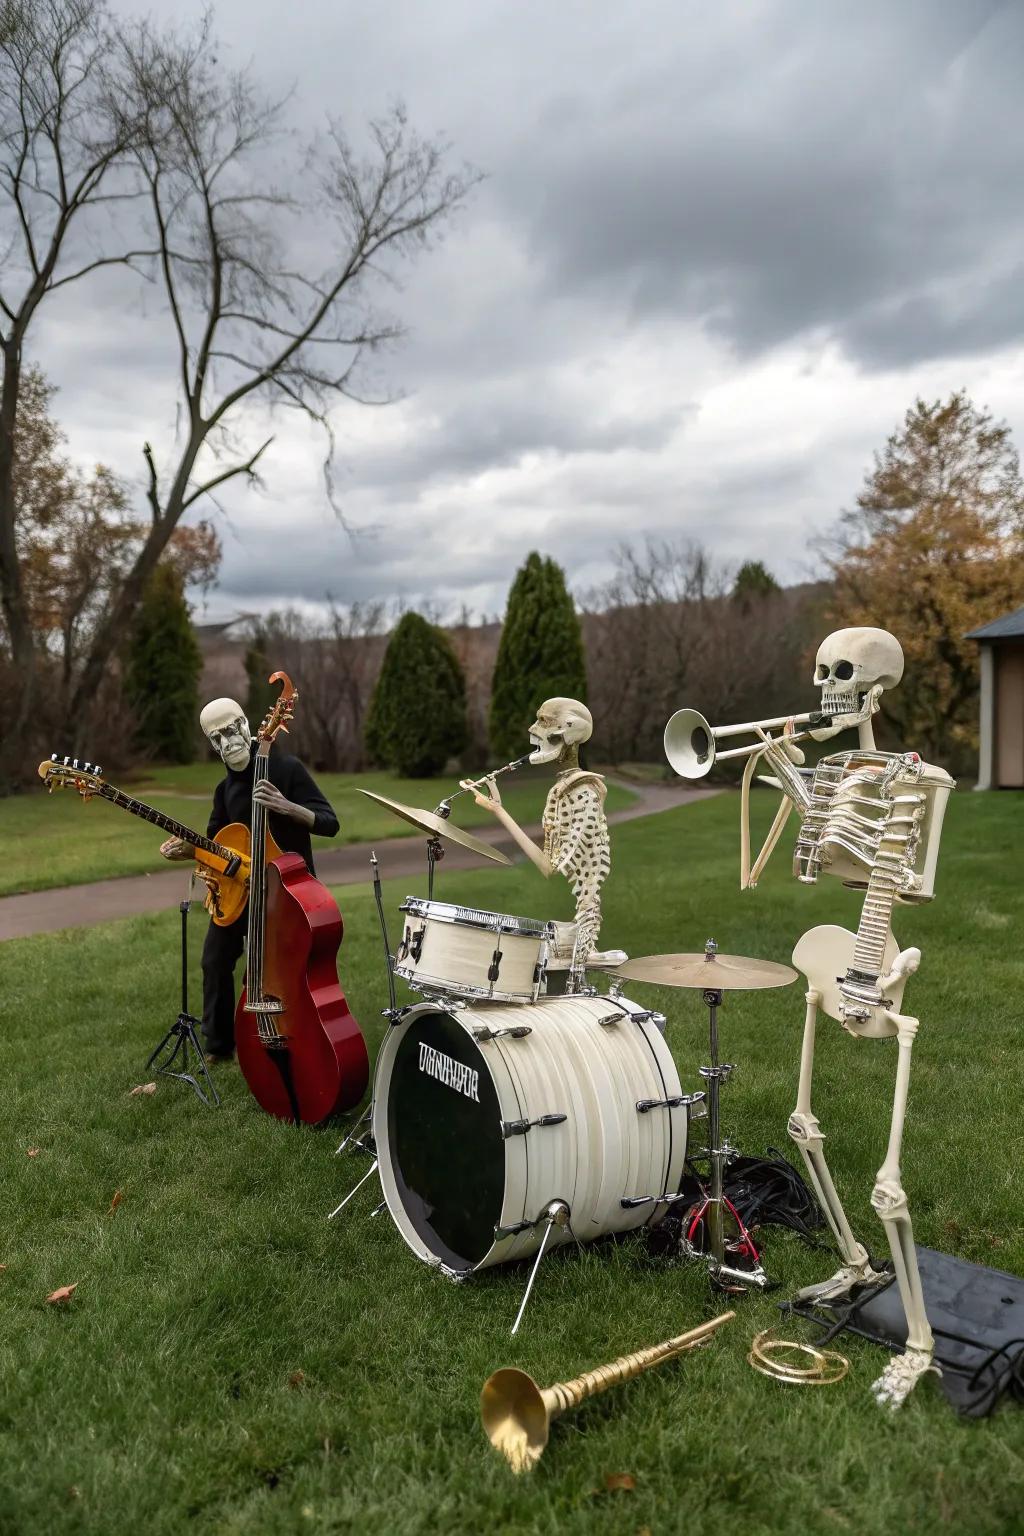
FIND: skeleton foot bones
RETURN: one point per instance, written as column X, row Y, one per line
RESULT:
column 900, row 1377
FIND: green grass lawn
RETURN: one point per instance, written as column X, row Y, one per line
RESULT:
column 53, row 840
column 164, row 1398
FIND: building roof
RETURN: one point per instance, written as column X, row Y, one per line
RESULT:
column 1009, row 627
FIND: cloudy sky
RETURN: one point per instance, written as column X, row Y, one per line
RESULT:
column 718, row 251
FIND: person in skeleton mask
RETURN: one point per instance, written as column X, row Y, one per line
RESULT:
column 576, row 842
column 297, row 810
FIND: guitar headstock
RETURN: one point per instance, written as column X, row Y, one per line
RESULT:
column 281, row 712
column 70, row 773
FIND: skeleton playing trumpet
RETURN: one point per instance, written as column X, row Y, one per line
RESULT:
column 872, row 819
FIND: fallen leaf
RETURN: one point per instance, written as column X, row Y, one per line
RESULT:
column 63, row 1294
column 297, row 1379
column 620, row 1482
column 118, row 1197
column 142, row 1088
column 33, row 1151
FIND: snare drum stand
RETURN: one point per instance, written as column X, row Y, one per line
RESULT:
column 183, row 1030
column 711, row 1209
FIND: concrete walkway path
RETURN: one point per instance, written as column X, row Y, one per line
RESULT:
column 102, row 901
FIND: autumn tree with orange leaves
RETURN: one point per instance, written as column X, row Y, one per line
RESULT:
column 76, row 538
column 935, row 548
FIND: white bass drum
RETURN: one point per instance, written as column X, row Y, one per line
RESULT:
column 482, row 1116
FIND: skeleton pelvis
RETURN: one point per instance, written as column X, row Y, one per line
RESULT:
column 227, row 895
column 824, row 955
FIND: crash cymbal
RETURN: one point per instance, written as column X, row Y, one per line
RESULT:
column 436, row 826
column 723, row 973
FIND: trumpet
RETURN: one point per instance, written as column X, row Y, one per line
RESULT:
column 444, row 810
column 691, row 743
column 517, row 1414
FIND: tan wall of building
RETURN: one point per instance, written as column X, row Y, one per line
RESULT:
column 1009, row 715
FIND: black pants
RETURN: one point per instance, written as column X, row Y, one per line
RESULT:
column 221, row 950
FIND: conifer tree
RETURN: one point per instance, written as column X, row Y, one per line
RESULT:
column 753, row 580
column 540, row 654
column 417, row 717
column 162, row 670
column 260, row 693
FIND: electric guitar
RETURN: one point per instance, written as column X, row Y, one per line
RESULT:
column 223, row 862
column 300, row 1050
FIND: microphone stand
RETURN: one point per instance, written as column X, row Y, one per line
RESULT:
column 183, row 1030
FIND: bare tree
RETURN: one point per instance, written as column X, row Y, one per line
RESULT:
column 256, row 315
column 334, row 664
column 670, row 630
column 61, row 157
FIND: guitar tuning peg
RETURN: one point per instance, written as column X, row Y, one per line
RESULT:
column 97, row 770
column 67, row 762
column 74, row 763
column 53, row 757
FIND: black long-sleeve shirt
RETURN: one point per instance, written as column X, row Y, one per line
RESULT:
column 232, row 801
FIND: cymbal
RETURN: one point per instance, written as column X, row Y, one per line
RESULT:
column 436, row 826
column 723, row 973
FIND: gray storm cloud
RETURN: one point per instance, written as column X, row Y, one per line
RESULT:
column 719, row 250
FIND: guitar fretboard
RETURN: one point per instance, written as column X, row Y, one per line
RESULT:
column 166, row 823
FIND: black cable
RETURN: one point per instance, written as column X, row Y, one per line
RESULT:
column 768, row 1191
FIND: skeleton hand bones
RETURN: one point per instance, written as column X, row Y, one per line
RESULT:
column 269, row 795
column 176, row 849
column 491, row 801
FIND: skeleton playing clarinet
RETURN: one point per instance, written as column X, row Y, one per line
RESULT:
column 873, row 819
column 576, row 842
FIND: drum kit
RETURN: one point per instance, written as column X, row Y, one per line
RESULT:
column 509, row 1118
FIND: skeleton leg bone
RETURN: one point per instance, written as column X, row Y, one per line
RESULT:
column 889, row 1199
column 805, row 1131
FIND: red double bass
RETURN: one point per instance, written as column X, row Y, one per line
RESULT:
column 301, row 1051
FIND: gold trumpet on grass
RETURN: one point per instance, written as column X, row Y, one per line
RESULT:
column 517, row 1414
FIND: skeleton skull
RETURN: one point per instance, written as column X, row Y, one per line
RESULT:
column 849, row 664
column 559, row 723
column 227, row 730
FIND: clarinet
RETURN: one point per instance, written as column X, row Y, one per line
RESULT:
column 444, row 810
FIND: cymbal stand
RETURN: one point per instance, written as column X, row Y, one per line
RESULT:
column 183, row 1030
column 435, row 853
column 712, row 1209
column 391, row 1013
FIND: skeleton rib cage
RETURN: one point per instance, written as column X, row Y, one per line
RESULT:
column 873, row 820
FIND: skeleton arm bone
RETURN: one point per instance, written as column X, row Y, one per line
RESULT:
column 492, row 803
column 749, row 875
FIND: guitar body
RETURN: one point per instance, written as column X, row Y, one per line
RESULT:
column 321, row 1066
column 227, row 894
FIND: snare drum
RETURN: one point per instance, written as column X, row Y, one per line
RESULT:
column 463, row 952
column 483, row 1116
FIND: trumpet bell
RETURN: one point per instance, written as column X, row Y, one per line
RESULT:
column 515, row 1417
column 690, row 744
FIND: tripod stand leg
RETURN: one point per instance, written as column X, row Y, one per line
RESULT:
column 183, row 1033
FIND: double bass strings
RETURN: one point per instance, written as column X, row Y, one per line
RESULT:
column 256, row 894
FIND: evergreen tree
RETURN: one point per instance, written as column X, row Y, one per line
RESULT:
column 417, row 717
column 754, row 579
column 540, row 654
column 259, row 694
column 162, row 670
